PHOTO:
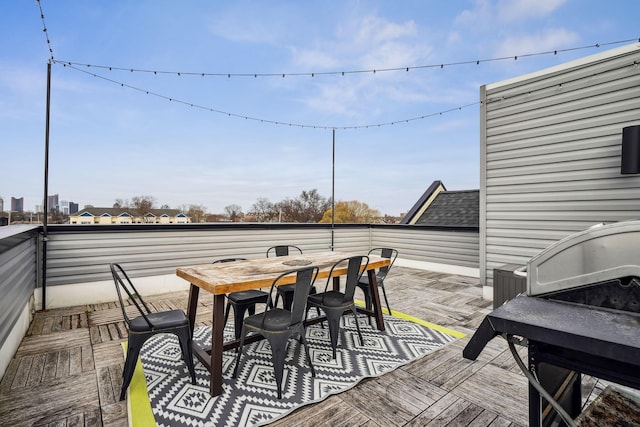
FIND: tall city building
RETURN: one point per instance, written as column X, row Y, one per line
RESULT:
column 1, row 205
column 67, row 207
column 53, row 203
column 17, row 205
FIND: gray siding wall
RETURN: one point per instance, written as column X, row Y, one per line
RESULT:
column 459, row 248
column 18, row 278
column 77, row 254
column 550, row 155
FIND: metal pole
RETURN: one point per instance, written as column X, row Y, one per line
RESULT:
column 45, row 202
column 333, row 187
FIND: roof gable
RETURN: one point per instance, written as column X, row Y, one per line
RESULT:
column 453, row 209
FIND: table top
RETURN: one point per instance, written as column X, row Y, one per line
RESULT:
column 223, row 278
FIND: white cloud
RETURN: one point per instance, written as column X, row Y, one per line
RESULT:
column 514, row 10
column 367, row 43
column 262, row 24
column 485, row 13
column 548, row 39
column 373, row 30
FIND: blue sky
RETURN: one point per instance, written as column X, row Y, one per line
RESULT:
column 109, row 141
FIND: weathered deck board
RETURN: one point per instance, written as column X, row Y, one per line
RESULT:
column 59, row 398
column 504, row 391
column 70, row 364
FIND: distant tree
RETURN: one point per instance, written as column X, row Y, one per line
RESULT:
column 351, row 212
column 143, row 204
column 234, row 212
column 263, row 210
column 120, row 203
column 389, row 219
column 308, row 207
column 215, row 218
column 197, row 213
column 57, row 217
column 165, row 206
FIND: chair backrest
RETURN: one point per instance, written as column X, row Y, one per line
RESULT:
column 389, row 253
column 283, row 250
column 228, row 260
column 305, row 277
column 122, row 282
column 356, row 267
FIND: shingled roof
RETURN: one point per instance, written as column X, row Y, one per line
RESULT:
column 453, row 209
column 438, row 207
column 97, row 211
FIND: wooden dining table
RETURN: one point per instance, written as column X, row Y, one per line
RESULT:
column 223, row 278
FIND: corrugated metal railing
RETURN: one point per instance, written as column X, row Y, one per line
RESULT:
column 80, row 254
column 77, row 254
column 18, row 273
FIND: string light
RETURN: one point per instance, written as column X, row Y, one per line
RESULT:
column 355, row 127
column 343, row 73
column 75, row 66
column 262, row 120
column 44, row 30
column 562, row 85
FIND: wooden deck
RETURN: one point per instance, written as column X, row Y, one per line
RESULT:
column 67, row 371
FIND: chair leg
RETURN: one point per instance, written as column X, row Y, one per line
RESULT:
column 303, row 340
column 367, row 301
column 306, row 315
column 184, row 336
column 251, row 309
column 384, row 293
column 239, row 351
column 134, row 344
column 355, row 317
column 226, row 312
column 367, row 297
column 278, row 344
column 333, row 318
column 238, row 316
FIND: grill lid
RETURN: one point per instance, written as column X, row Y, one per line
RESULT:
column 597, row 254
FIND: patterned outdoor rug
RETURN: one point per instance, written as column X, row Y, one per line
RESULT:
column 251, row 399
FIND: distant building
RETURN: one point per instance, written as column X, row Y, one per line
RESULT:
column 53, row 203
column 1, row 205
column 441, row 208
column 68, row 208
column 17, row 205
column 93, row 215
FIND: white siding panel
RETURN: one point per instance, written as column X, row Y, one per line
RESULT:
column 551, row 155
column 80, row 257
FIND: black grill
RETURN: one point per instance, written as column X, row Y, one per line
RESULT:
column 581, row 315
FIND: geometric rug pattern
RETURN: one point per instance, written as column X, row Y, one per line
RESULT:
column 251, row 399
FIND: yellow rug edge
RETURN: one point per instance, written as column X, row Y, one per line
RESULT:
column 139, row 409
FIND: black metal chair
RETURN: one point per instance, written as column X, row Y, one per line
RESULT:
column 285, row 291
column 381, row 274
column 283, row 250
column 335, row 303
column 242, row 301
column 277, row 325
column 148, row 324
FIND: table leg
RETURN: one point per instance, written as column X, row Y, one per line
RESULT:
column 375, row 298
column 217, row 344
column 192, row 305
